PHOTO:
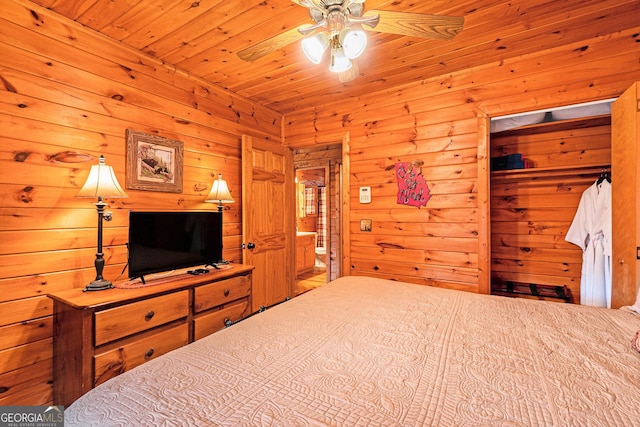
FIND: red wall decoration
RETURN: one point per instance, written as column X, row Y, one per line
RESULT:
column 412, row 188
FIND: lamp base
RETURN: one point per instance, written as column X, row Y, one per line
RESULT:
column 98, row 285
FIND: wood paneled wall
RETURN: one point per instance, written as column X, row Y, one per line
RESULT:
column 68, row 96
column 434, row 121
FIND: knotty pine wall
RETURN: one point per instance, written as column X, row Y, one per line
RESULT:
column 441, row 122
column 65, row 90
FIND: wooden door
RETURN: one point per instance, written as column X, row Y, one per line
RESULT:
column 267, row 191
column 625, row 173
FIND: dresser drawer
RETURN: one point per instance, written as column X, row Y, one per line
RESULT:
column 128, row 319
column 222, row 292
column 144, row 348
column 214, row 320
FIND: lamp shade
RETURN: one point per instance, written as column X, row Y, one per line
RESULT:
column 219, row 192
column 101, row 182
column 339, row 62
column 353, row 42
column 315, row 46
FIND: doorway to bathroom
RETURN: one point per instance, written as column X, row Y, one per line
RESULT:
column 317, row 186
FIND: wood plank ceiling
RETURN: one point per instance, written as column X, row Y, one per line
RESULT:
column 203, row 37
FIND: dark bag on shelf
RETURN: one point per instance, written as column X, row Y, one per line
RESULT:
column 510, row 161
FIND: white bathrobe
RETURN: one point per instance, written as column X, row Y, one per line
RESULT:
column 591, row 231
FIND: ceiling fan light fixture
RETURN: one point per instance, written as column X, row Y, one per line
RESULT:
column 339, row 62
column 353, row 42
column 315, row 46
column 338, row 26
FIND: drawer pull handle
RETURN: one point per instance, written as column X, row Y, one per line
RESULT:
column 228, row 322
column 149, row 315
column 149, row 353
column 226, row 292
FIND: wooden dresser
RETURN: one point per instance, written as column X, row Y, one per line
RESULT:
column 99, row 335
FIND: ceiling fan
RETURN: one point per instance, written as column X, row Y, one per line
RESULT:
column 338, row 27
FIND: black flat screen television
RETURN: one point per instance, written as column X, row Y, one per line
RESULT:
column 165, row 241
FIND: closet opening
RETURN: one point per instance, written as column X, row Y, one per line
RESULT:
column 541, row 164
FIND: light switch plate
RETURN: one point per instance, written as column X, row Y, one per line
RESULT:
column 365, row 194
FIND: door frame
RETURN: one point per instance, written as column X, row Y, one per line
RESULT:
column 341, row 201
column 326, row 168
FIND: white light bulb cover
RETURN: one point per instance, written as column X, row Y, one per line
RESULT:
column 339, row 62
column 353, row 42
column 315, row 46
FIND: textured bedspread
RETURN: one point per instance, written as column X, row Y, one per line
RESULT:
column 370, row 352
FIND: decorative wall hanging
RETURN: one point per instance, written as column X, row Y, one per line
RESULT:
column 154, row 163
column 412, row 188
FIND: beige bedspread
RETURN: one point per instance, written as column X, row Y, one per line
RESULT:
column 370, row 352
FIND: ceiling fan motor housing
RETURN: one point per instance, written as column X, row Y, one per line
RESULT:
column 336, row 21
column 345, row 8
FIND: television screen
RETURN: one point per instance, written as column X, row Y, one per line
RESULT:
column 165, row 241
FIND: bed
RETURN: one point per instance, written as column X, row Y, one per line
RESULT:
column 372, row 352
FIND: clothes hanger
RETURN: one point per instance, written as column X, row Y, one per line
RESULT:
column 604, row 175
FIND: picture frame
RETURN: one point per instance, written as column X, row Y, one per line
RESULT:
column 153, row 163
column 366, row 225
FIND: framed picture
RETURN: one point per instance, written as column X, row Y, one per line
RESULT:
column 154, row 163
column 366, row 225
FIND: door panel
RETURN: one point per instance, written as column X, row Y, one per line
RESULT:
column 625, row 175
column 267, row 188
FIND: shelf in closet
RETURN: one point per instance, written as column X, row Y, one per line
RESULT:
column 548, row 172
column 557, row 125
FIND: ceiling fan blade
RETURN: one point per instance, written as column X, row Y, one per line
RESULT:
column 348, row 3
column 311, row 4
column 305, row 30
column 417, row 24
column 276, row 42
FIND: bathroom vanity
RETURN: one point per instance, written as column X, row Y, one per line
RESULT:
column 305, row 251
